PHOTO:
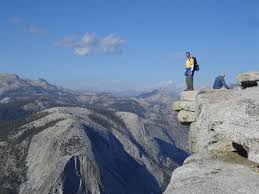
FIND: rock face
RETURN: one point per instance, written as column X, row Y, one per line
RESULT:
column 215, row 173
column 76, row 150
column 224, row 141
column 188, row 95
column 186, row 107
column 229, row 115
column 192, row 140
column 59, row 141
column 186, row 116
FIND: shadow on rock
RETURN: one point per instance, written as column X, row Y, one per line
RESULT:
column 120, row 173
column 176, row 154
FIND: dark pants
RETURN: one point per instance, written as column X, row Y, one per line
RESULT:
column 189, row 82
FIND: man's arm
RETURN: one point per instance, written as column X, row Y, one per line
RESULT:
column 224, row 84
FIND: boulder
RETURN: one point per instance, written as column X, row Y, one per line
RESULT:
column 249, row 76
column 215, row 173
column 249, row 79
column 184, row 105
column 188, row 95
column 186, row 116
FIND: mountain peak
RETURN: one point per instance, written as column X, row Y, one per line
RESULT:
column 8, row 76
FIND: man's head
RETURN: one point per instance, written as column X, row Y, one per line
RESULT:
column 188, row 55
column 222, row 74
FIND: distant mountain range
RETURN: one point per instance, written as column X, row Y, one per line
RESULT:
column 55, row 140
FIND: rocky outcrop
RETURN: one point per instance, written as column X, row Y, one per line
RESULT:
column 248, row 76
column 188, row 95
column 186, row 116
column 224, row 140
column 186, row 107
column 215, row 173
column 230, row 116
column 248, row 79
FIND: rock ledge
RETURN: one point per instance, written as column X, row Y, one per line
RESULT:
column 224, row 140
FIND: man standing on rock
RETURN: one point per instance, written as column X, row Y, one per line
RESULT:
column 189, row 72
column 220, row 82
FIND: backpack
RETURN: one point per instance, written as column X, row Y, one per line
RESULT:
column 196, row 65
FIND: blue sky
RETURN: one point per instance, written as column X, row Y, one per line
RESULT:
column 127, row 44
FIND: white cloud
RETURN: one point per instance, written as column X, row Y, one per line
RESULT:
column 89, row 39
column 82, row 51
column 90, row 43
column 112, row 44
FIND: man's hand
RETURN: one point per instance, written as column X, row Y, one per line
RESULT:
column 189, row 72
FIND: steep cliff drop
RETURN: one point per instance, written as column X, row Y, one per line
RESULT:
column 224, row 140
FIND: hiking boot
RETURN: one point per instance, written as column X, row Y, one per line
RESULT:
column 189, row 89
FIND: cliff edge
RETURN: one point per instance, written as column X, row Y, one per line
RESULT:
column 224, row 140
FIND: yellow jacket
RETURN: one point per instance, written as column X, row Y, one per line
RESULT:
column 189, row 63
